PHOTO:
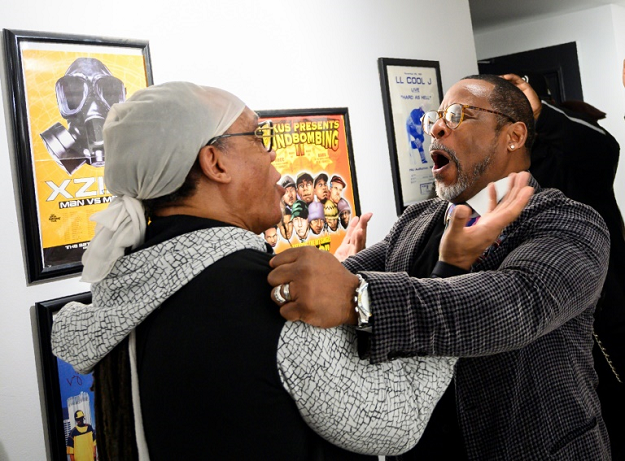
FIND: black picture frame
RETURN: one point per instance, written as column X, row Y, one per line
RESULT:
column 317, row 142
column 409, row 88
column 57, row 419
column 54, row 214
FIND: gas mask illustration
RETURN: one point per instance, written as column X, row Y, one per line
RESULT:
column 84, row 95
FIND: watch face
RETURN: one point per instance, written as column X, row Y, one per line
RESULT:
column 364, row 312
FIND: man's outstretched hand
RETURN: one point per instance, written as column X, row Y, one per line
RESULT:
column 355, row 237
column 461, row 246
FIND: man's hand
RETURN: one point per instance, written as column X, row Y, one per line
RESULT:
column 527, row 90
column 461, row 246
column 355, row 238
column 321, row 289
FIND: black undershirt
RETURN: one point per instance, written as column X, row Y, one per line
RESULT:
column 442, row 438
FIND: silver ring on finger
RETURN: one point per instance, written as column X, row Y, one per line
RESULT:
column 277, row 294
column 286, row 290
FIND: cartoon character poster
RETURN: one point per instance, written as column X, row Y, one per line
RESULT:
column 314, row 157
column 410, row 88
column 66, row 91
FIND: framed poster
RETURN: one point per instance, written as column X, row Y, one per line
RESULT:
column 409, row 89
column 314, row 156
column 68, row 398
column 61, row 88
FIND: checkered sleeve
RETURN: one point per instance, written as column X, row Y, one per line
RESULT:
column 549, row 268
column 371, row 409
column 371, row 258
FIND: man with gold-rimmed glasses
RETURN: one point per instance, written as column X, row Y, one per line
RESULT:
column 519, row 315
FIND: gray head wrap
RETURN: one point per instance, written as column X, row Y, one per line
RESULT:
column 151, row 142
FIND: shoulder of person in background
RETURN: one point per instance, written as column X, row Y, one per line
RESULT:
column 584, row 111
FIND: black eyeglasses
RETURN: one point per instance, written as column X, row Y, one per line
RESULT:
column 452, row 116
column 264, row 132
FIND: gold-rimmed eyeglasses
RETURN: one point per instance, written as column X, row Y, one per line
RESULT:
column 452, row 116
column 264, row 132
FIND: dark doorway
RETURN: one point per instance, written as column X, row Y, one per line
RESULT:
column 555, row 68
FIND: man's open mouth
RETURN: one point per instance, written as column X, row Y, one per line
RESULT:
column 440, row 159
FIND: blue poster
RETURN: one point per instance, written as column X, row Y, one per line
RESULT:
column 77, row 399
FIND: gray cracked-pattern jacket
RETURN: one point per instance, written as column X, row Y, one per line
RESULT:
column 364, row 408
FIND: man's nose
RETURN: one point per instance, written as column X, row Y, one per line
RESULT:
column 440, row 129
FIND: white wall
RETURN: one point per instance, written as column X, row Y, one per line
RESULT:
column 275, row 54
column 618, row 24
column 600, row 37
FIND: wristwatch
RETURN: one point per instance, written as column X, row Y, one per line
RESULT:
column 363, row 308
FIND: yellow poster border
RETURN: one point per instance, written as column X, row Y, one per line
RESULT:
column 44, row 263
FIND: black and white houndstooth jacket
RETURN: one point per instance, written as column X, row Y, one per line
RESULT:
column 521, row 321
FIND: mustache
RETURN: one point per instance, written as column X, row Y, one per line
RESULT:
column 435, row 145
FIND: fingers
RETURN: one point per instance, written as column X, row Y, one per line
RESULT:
column 355, row 237
column 290, row 312
column 290, row 264
column 527, row 89
column 521, row 178
column 295, row 281
column 290, row 255
column 454, row 248
column 357, row 223
column 358, row 239
column 493, row 202
column 515, row 184
column 519, row 193
column 514, row 78
column 458, row 220
column 283, row 293
column 364, row 219
column 353, row 223
column 492, row 197
column 511, row 206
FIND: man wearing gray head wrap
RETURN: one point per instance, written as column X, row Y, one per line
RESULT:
column 152, row 143
column 183, row 327
column 185, row 298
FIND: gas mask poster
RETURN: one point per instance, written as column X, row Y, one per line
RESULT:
column 314, row 157
column 67, row 88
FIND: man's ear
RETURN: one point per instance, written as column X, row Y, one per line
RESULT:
column 213, row 164
column 516, row 134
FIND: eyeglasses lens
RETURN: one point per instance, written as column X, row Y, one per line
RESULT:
column 428, row 121
column 265, row 132
column 453, row 116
